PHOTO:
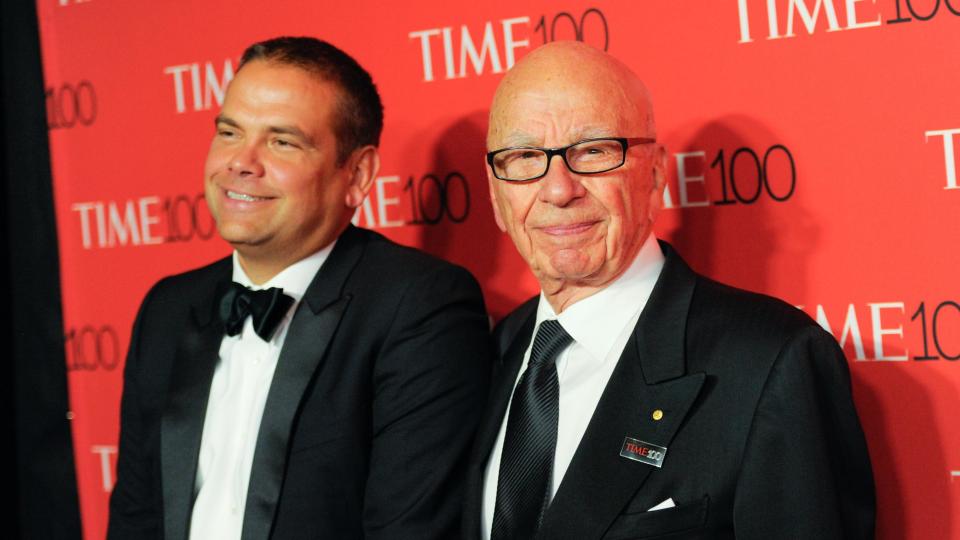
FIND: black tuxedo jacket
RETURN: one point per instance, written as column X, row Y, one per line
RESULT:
column 368, row 420
column 762, row 438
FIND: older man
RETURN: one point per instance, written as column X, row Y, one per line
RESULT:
column 635, row 398
column 321, row 382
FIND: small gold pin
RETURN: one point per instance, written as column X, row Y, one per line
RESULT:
column 657, row 415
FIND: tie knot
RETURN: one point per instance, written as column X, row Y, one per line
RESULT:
column 550, row 340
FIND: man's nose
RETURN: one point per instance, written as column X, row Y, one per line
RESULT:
column 560, row 186
column 245, row 161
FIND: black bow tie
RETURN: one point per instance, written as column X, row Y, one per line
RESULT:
column 267, row 307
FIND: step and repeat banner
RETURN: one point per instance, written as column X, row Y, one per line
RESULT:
column 814, row 148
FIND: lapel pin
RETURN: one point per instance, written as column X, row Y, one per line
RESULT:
column 657, row 415
column 643, row 452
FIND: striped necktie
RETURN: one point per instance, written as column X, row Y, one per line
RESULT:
column 526, row 465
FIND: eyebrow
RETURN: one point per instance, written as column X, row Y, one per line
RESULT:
column 593, row 132
column 221, row 119
column 281, row 130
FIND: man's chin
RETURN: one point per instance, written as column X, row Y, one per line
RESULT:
column 234, row 232
column 245, row 244
column 571, row 267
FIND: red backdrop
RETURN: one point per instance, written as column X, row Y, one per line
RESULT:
column 815, row 157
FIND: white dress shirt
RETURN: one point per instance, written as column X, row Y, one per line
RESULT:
column 600, row 325
column 238, row 393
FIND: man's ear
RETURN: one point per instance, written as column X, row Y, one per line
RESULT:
column 363, row 164
column 492, row 183
column 659, row 177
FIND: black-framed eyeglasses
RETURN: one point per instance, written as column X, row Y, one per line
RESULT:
column 589, row 156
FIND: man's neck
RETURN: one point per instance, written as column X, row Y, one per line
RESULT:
column 260, row 272
column 261, row 266
column 561, row 295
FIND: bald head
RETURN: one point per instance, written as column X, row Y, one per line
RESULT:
column 578, row 231
column 571, row 75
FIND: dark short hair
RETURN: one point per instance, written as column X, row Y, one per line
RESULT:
column 359, row 116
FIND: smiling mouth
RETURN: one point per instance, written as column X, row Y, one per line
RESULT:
column 243, row 196
column 570, row 229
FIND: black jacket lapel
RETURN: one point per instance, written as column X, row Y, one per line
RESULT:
column 182, row 423
column 506, row 375
column 502, row 388
column 650, row 375
column 311, row 331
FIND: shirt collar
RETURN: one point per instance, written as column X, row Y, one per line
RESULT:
column 293, row 279
column 596, row 321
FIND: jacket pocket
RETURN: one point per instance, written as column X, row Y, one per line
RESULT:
column 685, row 517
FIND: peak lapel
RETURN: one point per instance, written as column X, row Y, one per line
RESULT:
column 504, row 378
column 650, row 375
column 310, row 334
column 181, row 426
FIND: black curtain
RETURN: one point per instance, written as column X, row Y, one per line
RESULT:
column 43, row 477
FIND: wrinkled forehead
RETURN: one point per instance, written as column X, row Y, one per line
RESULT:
column 563, row 115
column 566, row 93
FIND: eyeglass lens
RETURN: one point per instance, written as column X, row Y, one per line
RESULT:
column 585, row 157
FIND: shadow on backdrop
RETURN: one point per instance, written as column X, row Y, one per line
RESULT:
column 748, row 229
column 892, row 442
column 475, row 242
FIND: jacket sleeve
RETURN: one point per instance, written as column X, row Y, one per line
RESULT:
column 135, row 513
column 429, row 387
column 806, row 471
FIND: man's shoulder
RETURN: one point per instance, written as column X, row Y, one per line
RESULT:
column 174, row 295
column 173, row 300
column 380, row 249
column 192, row 282
column 388, row 260
column 735, row 315
column 715, row 308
